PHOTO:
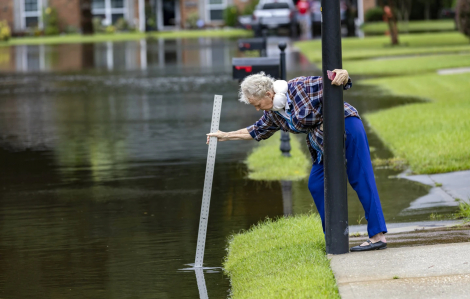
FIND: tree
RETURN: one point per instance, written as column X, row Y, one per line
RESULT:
column 86, row 17
column 351, row 14
column 427, row 8
column 390, row 19
column 404, row 9
column 463, row 16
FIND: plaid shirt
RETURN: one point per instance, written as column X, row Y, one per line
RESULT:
column 304, row 114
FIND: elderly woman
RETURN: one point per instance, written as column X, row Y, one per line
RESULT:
column 296, row 107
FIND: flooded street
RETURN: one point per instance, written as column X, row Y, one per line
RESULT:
column 103, row 155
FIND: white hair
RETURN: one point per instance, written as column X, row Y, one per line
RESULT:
column 255, row 86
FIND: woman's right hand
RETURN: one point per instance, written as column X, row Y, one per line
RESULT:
column 341, row 77
column 221, row 136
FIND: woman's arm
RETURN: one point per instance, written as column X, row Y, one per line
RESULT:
column 264, row 128
column 241, row 134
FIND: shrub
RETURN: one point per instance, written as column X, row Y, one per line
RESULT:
column 192, row 20
column 374, row 14
column 110, row 29
column 250, row 8
column 5, row 32
column 51, row 21
column 463, row 16
column 71, row 29
column 97, row 25
column 231, row 16
column 151, row 23
column 122, row 25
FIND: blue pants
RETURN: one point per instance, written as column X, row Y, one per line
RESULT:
column 360, row 176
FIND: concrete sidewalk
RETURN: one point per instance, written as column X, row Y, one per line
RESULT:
column 433, row 271
column 447, row 187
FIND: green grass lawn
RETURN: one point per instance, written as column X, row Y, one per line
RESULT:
column 406, row 66
column 281, row 259
column 464, row 211
column 379, row 46
column 267, row 163
column 77, row 38
column 411, row 27
column 433, row 137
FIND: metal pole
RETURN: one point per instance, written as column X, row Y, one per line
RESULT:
column 285, row 139
column 264, row 51
column 336, row 204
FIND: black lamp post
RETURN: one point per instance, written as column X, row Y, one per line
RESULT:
column 285, row 139
column 336, row 204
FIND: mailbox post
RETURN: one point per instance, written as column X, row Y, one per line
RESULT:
column 285, row 138
column 336, row 204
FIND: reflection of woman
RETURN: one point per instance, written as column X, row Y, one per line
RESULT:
column 296, row 107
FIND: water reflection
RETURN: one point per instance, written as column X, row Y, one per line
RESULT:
column 131, row 55
column 201, row 283
column 137, row 55
column 286, row 187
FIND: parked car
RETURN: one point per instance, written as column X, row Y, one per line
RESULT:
column 315, row 9
column 272, row 14
column 447, row 13
column 245, row 21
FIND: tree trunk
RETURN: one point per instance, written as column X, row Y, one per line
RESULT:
column 392, row 25
column 86, row 17
column 427, row 9
column 391, row 19
column 463, row 17
column 351, row 12
column 406, row 12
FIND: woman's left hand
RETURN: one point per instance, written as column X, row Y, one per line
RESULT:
column 341, row 77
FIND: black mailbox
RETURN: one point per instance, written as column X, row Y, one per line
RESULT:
column 249, row 44
column 243, row 67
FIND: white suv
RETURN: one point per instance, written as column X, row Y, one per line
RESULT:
column 271, row 14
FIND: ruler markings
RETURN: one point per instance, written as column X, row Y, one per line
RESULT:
column 206, row 195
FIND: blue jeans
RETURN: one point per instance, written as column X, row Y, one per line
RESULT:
column 360, row 176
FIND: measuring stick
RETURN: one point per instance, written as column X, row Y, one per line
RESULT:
column 206, row 195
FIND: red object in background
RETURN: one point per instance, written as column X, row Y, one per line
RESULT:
column 302, row 6
column 331, row 75
column 247, row 69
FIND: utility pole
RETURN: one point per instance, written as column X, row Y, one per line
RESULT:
column 142, row 21
column 336, row 204
column 86, row 17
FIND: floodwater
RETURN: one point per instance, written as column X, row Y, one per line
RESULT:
column 103, row 155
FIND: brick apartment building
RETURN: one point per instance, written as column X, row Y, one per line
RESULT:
column 170, row 14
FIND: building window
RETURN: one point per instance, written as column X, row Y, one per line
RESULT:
column 216, row 9
column 31, row 13
column 109, row 10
